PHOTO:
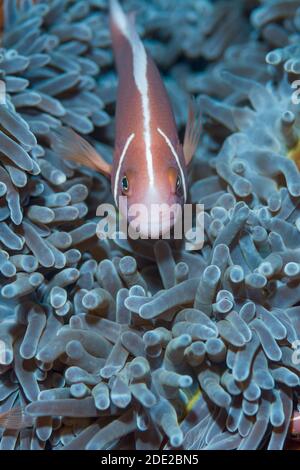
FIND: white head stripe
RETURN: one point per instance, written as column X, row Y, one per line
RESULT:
column 128, row 142
column 169, row 143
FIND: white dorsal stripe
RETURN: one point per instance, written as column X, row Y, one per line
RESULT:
column 140, row 77
column 117, row 177
column 169, row 143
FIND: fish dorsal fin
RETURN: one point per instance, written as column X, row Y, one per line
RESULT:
column 192, row 131
column 71, row 146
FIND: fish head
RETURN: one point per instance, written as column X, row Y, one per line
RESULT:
column 152, row 207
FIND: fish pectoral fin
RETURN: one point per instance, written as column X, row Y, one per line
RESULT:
column 71, row 146
column 192, row 131
column 15, row 418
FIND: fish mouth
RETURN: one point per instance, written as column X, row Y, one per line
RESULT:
column 156, row 226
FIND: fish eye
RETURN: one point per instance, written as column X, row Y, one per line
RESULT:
column 125, row 184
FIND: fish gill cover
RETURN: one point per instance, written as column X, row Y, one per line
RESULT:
column 120, row 345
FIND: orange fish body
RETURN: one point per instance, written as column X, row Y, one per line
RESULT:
column 295, row 424
column 149, row 164
column 147, row 148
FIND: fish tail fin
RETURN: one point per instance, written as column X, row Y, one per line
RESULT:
column 71, row 146
column 192, row 132
column 15, row 418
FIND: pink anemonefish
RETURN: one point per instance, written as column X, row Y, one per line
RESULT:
column 149, row 163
